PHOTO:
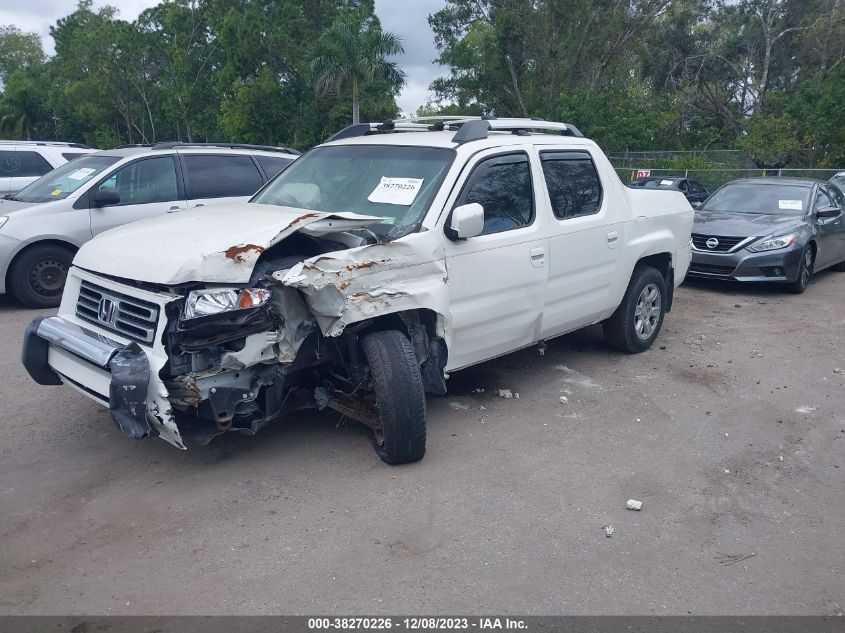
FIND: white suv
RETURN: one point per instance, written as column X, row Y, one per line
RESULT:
column 23, row 162
column 360, row 277
column 43, row 225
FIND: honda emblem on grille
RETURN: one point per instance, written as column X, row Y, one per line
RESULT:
column 107, row 311
column 712, row 243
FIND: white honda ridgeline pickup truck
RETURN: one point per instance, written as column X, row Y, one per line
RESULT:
column 361, row 276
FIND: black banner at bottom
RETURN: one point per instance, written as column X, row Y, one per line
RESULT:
column 529, row 624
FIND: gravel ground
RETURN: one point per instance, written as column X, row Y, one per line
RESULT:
column 731, row 430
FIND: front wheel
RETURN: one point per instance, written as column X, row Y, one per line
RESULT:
column 400, row 396
column 805, row 271
column 37, row 276
column 638, row 319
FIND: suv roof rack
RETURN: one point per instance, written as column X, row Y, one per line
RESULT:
column 48, row 143
column 265, row 148
column 468, row 128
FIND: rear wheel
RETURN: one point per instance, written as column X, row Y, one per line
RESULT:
column 638, row 319
column 805, row 271
column 37, row 276
column 400, row 396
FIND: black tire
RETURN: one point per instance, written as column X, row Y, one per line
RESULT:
column 625, row 329
column 400, row 396
column 805, row 271
column 37, row 276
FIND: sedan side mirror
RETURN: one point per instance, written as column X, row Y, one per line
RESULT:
column 467, row 221
column 697, row 205
column 827, row 213
column 105, row 197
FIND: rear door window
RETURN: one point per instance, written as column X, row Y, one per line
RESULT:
column 502, row 185
column 573, row 183
column 23, row 164
column 221, row 176
column 272, row 165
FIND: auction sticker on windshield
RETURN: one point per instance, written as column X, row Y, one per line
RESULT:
column 791, row 205
column 82, row 173
column 396, row 191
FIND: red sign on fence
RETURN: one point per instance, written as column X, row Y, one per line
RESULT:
column 643, row 173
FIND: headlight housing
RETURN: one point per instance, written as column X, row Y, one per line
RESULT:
column 3, row 220
column 210, row 302
column 773, row 243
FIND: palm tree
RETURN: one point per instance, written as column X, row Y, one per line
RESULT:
column 355, row 49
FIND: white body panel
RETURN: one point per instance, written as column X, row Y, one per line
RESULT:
column 490, row 294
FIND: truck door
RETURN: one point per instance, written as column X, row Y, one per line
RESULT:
column 497, row 279
column 586, row 242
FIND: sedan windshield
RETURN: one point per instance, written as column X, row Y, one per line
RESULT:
column 394, row 183
column 746, row 197
column 62, row 182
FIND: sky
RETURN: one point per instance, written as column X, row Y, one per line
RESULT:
column 406, row 18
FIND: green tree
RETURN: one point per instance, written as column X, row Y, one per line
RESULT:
column 18, row 51
column 355, row 49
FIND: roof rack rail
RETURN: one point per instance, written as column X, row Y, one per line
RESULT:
column 265, row 148
column 48, row 143
column 130, row 145
column 468, row 128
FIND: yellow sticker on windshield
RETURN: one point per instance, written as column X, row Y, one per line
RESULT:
column 57, row 192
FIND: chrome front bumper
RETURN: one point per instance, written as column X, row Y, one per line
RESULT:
column 93, row 347
column 121, row 372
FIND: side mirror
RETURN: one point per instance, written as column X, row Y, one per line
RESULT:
column 105, row 197
column 467, row 221
column 696, row 205
column 827, row 213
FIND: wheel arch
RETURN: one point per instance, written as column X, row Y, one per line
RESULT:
column 425, row 328
column 73, row 248
column 663, row 263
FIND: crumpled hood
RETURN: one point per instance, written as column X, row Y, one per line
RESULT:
column 736, row 224
column 213, row 244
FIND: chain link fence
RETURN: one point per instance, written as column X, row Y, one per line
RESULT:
column 712, row 179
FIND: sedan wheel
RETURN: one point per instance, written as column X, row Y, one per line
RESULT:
column 805, row 271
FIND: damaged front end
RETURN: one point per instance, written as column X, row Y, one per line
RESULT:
column 274, row 328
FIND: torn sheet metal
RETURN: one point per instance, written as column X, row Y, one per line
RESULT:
column 219, row 243
column 348, row 286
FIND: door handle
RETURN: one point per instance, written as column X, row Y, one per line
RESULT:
column 538, row 256
column 175, row 208
column 612, row 237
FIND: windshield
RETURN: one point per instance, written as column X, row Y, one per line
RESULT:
column 393, row 182
column 746, row 197
column 62, row 182
column 653, row 184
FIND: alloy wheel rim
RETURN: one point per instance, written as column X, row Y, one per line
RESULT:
column 807, row 268
column 647, row 311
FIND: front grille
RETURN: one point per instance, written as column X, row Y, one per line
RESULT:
column 709, row 269
column 725, row 243
column 134, row 318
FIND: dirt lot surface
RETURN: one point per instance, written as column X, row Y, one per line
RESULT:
column 731, row 430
